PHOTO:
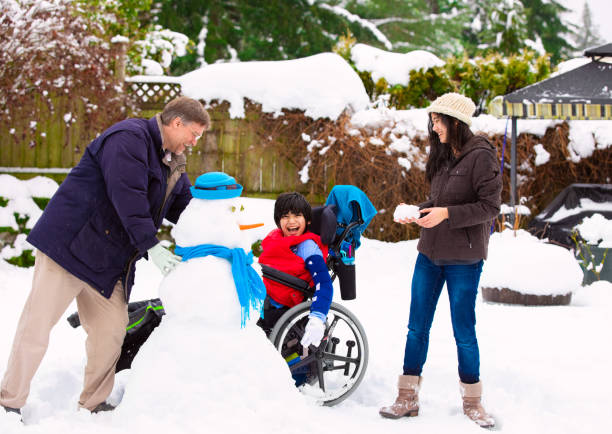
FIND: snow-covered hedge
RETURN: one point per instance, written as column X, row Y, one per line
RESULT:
column 413, row 79
column 21, row 205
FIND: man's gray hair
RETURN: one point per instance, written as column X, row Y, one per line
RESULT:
column 187, row 109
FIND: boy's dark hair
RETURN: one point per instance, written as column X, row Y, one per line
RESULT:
column 292, row 202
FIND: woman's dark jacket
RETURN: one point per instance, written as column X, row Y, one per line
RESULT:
column 106, row 213
column 470, row 187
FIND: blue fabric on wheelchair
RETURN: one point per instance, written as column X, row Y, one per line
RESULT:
column 346, row 198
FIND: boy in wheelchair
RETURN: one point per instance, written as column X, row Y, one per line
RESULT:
column 293, row 249
column 322, row 342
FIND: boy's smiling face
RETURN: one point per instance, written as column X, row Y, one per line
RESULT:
column 292, row 224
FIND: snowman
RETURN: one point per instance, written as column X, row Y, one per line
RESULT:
column 208, row 363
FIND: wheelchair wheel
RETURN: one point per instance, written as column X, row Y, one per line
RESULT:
column 336, row 367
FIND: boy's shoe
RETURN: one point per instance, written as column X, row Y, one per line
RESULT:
column 103, row 406
column 12, row 410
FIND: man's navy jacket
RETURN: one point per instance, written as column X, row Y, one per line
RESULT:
column 106, row 213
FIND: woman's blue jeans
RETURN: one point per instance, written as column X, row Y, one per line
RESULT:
column 462, row 285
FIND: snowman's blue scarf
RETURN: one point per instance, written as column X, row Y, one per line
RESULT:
column 249, row 286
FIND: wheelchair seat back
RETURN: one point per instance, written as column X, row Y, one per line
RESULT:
column 339, row 223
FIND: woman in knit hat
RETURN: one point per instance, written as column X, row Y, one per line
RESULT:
column 465, row 196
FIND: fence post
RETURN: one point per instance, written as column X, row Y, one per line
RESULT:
column 120, row 44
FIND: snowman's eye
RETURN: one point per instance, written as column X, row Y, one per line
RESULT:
column 234, row 209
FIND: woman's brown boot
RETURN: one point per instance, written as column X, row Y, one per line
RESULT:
column 407, row 401
column 472, row 407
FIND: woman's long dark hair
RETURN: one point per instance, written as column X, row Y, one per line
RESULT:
column 441, row 154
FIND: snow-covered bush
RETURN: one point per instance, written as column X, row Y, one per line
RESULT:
column 425, row 77
column 149, row 46
column 21, row 205
column 161, row 46
column 593, row 238
column 54, row 63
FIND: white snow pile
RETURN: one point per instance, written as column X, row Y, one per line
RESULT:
column 506, row 209
column 19, row 195
column 323, row 85
column 151, row 67
column 490, row 125
column 403, row 211
column 587, row 136
column 393, row 67
column 596, row 230
column 542, row 156
column 516, row 257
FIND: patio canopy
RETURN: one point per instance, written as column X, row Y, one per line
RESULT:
column 581, row 93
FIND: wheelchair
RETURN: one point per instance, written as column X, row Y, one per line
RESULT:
column 335, row 368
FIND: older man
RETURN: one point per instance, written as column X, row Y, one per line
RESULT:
column 102, row 219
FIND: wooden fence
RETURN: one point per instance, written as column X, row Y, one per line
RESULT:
column 231, row 145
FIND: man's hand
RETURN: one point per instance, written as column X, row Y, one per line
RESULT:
column 315, row 328
column 163, row 258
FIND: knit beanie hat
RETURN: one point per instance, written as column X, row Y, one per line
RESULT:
column 455, row 105
column 216, row 185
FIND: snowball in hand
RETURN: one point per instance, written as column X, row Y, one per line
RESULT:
column 404, row 211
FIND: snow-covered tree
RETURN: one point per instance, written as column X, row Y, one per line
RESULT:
column 133, row 20
column 49, row 51
column 228, row 30
column 587, row 35
column 546, row 23
column 496, row 26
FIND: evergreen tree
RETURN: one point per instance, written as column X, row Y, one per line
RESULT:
column 497, row 25
column 587, row 35
column 544, row 22
column 224, row 30
column 256, row 30
column 433, row 25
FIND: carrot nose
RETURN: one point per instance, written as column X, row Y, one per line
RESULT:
column 252, row 226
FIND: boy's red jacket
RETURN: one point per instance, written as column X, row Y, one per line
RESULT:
column 277, row 254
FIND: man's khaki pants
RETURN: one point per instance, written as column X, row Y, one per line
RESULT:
column 104, row 320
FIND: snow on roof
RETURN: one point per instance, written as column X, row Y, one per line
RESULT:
column 585, row 204
column 323, row 85
column 393, row 67
column 570, row 64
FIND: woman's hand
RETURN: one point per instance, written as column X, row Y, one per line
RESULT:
column 406, row 220
column 434, row 217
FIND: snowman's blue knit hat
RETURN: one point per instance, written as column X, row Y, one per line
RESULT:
column 216, row 185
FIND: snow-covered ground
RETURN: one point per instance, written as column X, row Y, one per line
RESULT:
column 544, row 369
